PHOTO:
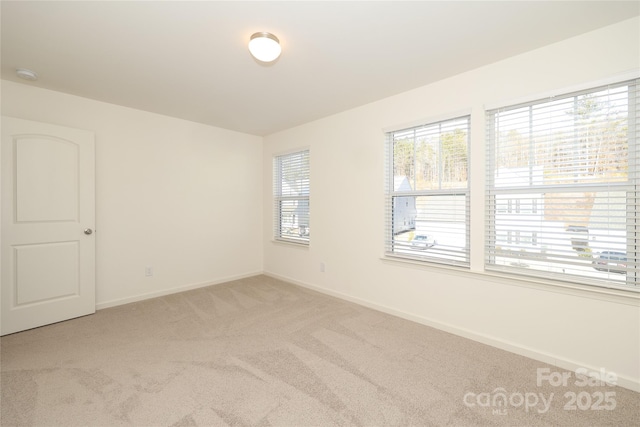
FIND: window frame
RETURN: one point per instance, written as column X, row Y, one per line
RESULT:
column 391, row 194
column 278, row 198
column 630, row 187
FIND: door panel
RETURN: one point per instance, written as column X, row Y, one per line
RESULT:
column 56, row 275
column 46, row 179
column 48, row 262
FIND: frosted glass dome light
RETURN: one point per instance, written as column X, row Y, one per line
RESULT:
column 264, row 47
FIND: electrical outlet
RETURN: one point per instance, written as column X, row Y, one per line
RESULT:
column 322, row 267
column 148, row 271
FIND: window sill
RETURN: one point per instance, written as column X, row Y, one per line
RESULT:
column 291, row 243
column 613, row 294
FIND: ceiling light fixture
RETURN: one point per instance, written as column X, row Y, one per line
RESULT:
column 23, row 73
column 264, row 47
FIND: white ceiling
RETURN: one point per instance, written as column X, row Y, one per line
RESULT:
column 190, row 60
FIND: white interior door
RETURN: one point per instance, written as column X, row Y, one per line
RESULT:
column 47, row 245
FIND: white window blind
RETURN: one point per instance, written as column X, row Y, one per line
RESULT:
column 427, row 192
column 562, row 187
column 291, row 197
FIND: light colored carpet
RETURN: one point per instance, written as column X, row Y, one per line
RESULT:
column 262, row 352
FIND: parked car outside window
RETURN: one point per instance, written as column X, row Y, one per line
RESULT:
column 422, row 241
column 613, row 261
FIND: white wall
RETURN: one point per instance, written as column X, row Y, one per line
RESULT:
column 178, row 196
column 566, row 327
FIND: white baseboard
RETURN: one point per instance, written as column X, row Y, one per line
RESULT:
column 623, row 381
column 149, row 295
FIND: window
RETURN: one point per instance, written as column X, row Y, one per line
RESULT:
column 427, row 192
column 570, row 164
column 291, row 197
